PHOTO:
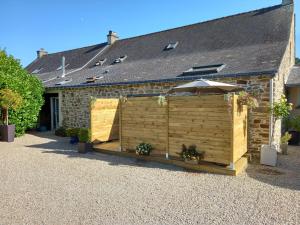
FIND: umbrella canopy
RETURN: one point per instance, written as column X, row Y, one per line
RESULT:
column 206, row 86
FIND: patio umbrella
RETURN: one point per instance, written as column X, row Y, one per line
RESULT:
column 206, row 86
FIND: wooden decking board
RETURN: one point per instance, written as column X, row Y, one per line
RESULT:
column 240, row 165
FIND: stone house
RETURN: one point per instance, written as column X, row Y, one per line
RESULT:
column 255, row 50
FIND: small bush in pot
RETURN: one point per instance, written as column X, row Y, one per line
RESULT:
column 84, row 136
column 284, row 143
column 143, row 149
column 191, row 154
column 73, row 134
column 8, row 100
column 279, row 110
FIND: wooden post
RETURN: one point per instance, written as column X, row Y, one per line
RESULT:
column 167, row 128
column 120, row 123
column 233, row 109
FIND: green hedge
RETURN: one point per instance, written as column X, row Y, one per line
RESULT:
column 14, row 77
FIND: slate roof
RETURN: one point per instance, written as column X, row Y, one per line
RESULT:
column 76, row 58
column 250, row 43
column 294, row 77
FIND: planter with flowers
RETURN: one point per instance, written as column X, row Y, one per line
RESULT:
column 279, row 110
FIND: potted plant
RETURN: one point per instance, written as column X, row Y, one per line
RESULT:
column 191, row 155
column 73, row 134
column 284, row 143
column 8, row 100
column 84, row 137
column 143, row 149
column 245, row 98
column 279, row 110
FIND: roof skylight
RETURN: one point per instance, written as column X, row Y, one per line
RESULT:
column 100, row 62
column 63, row 82
column 93, row 79
column 120, row 59
column 171, row 45
column 203, row 70
column 37, row 70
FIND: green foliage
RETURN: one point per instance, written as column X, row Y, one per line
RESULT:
column 191, row 153
column 30, row 88
column 61, row 132
column 292, row 123
column 143, row 149
column 281, row 109
column 162, row 101
column 72, row 132
column 10, row 99
column 297, row 61
column 84, row 135
column 285, row 138
column 245, row 98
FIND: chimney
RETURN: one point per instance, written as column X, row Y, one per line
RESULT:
column 41, row 53
column 287, row 2
column 63, row 66
column 112, row 37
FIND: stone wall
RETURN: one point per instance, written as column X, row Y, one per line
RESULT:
column 75, row 103
column 288, row 61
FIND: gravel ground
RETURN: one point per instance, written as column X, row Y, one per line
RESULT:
column 44, row 181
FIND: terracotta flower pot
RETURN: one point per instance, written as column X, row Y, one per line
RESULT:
column 7, row 133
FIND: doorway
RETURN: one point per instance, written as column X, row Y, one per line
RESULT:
column 54, row 106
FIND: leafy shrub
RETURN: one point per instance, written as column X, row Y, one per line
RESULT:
column 72, row 132
column 143, row 149
column 191, row 153
column 9, row 100
column 281, row 109
column 61, row 132
column 84, row 135
column 285, row 138
column 29, row 87
column 245, row 98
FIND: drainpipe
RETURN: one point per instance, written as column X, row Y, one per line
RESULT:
column 271, row 127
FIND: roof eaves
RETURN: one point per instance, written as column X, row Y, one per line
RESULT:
column 270, row 73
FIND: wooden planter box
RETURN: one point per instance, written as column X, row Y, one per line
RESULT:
column 7, row 133
column 84, row 147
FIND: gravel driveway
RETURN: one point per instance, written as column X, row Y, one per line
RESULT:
column 44, row 181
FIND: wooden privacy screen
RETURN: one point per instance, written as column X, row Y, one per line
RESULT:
column 104, row 120
column 208, row 121
column 143, row 120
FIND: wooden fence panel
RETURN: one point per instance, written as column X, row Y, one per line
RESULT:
column 144, row 120
column 105, row 120
column 204, row 121
column 208, row 121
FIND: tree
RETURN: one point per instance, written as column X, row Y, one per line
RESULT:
column 9, row 100
column 29, row 87
column 297, row 61
column 279, row 110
